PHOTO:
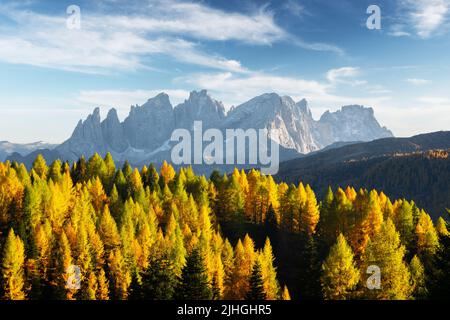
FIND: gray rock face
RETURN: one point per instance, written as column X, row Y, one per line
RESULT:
column 113, row 132
column 86, row 139
column 288, row 123
column 200, row 106
column 144, row 135
column 149, row 125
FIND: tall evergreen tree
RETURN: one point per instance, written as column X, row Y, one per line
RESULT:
column 310, row 213
column 79, row 170
column 326, row 232
column 441, row 227
column 63, row 261
column 103, row 289
column 110, row 172
column 427, row 237
column 404, row 222
column 311, row 270
column 194, row 279
column 256, row 284
column 271, row 286
column 419, row 290
column 159, row 281
column 120, row 276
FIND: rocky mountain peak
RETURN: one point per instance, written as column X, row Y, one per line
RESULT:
column 112, row 132
column 204, row 103
column 112, row 116
column 148, row 126
column 90, row 126
column 303, row 106
column 95, row 116
column 349, row 111
column 198, row 94
column 199, row 107
column 159, row 102
column 351, row 122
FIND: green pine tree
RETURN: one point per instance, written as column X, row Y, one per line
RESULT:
column 256, row 291
column 194, row 279
column 159, row 280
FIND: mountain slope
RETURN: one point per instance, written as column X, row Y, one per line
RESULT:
column 402, row 167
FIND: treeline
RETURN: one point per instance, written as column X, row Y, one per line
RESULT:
column 92, row 231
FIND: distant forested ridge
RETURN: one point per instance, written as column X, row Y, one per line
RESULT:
column 91, row 231
column 416, row 168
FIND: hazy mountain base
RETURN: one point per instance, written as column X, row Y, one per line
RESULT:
column 8, row 148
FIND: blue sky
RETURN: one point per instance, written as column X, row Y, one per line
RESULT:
column 128, row 51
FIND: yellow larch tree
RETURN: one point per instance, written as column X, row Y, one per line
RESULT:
column 310, row 213
column 12, row 268
column 167, row 172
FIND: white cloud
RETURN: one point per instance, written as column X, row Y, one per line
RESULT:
column 235, row 89
column 398, row 30
column 107, row 42
column 202, row 22
column 345, row 75
column 128, row 42
column 417, row 81
column 45, row 41
column 294, row 8
column 426, row 16
column 434, row 100
column 335, row 75
column 318, row 46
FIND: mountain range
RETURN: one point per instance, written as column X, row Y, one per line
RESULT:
column 8, row 148
column 144, row 135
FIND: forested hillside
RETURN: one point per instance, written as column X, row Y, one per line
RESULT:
column 93, row 231
column 423, row 176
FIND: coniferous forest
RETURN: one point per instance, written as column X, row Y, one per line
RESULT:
column 92, row 231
